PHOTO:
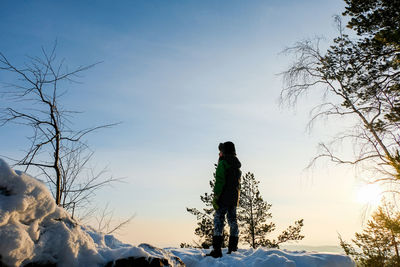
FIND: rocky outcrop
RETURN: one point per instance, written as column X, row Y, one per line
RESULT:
column 40, row 264
column 159, row 257
column 142, row 261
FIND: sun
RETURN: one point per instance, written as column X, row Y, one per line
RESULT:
column 369, row 194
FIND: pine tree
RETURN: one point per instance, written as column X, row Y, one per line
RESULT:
column 253, row 214
column 205, row 220
column 378, row 244
column 377, row 21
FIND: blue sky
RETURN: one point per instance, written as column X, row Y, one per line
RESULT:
column 183, row 76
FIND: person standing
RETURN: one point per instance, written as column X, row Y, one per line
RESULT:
column 226, row 198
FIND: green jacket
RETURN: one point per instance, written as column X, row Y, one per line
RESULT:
column 227, row 181
column 220, row 177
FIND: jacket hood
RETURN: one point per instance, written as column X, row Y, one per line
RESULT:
column 232, row 161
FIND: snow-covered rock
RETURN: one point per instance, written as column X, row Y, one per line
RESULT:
column 34, row 229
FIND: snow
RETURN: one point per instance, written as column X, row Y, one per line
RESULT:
column 34, row 229
column 262, row 257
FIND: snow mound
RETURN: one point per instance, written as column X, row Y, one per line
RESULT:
column 262, row 257
column 34, row 229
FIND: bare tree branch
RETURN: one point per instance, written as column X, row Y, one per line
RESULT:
column 356, row 82
column 56, row 150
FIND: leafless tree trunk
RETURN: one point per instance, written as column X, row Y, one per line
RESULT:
column 56, row 149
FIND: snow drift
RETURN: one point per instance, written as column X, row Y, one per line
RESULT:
column 263, row 257
column 33, row 229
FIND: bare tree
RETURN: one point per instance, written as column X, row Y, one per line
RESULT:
column 357, row 81
column 79, row 180
column 106, row 223
column 56, row 150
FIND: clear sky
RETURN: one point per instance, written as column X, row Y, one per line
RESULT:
column 183, row 76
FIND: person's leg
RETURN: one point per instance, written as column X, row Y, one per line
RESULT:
column 232, row 221
column 219, row 221
column 234, row 230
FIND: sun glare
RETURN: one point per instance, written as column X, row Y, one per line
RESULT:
column 369, row 194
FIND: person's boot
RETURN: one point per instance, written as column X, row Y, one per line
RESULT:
column 217, row 243
column 233, row 242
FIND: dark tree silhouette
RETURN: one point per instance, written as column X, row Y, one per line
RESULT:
column 358, row 79
column 253, row 215
column 378, row 244
column 205, row 220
